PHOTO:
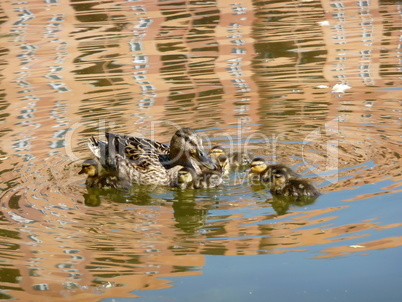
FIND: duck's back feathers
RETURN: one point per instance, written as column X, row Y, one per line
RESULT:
column 131, row 145
column 286, row 171
column 296, row 187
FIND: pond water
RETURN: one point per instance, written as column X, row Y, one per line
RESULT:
column 312, row 84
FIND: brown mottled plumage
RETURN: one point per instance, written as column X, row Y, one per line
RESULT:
column 283, row 185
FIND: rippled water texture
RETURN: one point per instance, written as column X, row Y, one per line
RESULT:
column 313, row 84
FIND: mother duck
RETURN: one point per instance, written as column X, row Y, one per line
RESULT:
column 144, row 161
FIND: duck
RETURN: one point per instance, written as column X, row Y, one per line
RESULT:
column 260, row 171
column 240, row 158
column 97, row 177
column 216, row 151
column 222, row 164
column 284, row 185
column 236, row 159
column 188, row 179
column 148, row 162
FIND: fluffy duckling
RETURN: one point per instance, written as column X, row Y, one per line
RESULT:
column 222, row 164
column 235, row 159
column 216, row 151
column 240, row 158
column 284, row 185
column 187, row 178
column 98, row 178
column 219, row 157
column 261, row 171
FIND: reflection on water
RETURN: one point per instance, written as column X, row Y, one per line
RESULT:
column 255, row 75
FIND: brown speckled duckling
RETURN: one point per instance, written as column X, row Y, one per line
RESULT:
column 235, row 159
column 219, row 157
column 283, row 185
column 222, row 164
column 217, row 151
column 188, row 179
column 98, row 178
column 263, row 172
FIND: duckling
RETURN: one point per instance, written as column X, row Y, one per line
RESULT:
column 236, row 159
column 216, row 151
column 144, row 161
column 187, row 178
column 98, row 178
column 284, row 185
column 222, row 164
column 261, row 171
column 219, row 157
column 240, row 158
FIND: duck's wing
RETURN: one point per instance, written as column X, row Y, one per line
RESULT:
column 127, row 143
column 95, row 146
column 145, row 169
column 133, row 147
column 140, row 159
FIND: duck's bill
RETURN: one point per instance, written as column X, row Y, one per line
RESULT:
column 205, row 160
column 82, row 171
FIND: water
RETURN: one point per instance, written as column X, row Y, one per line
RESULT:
column 256, row 75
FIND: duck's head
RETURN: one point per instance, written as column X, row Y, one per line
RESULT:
column 217, row 151
column 184, row 177
column 222, row 162
column 90, row 167
column 258, row 165
column 186, row 148
column 279, row 177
